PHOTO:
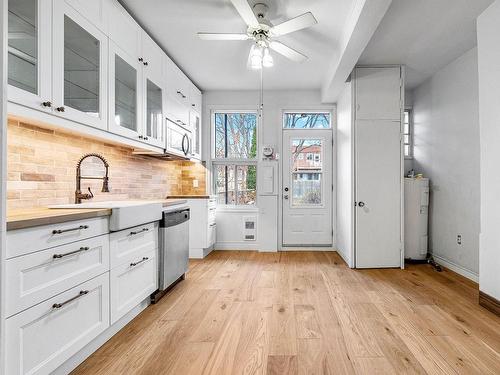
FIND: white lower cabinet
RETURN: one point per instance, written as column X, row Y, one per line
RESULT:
column 127, row 245
column 41, row 275
column 40, row 339
column 132, row 282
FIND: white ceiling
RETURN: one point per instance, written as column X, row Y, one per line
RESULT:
column 425, row 35
column 216, row 65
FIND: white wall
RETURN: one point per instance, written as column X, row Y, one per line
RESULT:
column 344, row 175
column 446, row 135
column 489, row 104
column 229, row 230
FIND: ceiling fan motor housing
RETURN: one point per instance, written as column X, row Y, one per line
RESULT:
column 260, row 10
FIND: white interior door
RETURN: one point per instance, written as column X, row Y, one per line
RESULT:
column 307, row 188
column 378, row 194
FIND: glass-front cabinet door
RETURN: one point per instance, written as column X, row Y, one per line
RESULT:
column 195, row 122
column 29, row 56
column 124, row 86
column 155, row 126
column 80, row 52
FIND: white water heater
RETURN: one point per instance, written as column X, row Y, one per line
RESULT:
column 416, row 218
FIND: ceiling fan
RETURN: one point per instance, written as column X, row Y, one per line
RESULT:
column 263, row 34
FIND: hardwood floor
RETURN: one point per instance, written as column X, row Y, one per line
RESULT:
column 306, row 313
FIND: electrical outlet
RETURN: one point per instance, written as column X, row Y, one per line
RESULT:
column 195, row 183
column 459, row 239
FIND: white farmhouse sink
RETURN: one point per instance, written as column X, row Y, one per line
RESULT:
column 124, row 214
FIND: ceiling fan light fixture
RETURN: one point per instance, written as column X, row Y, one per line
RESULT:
column 267, row 60
column 256, row 57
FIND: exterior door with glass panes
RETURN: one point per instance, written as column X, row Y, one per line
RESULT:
column 124, row 87
column 79, row 62
column 307, row 187
column 29, row 53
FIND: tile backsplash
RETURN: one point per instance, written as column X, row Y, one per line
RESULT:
column 41, row 167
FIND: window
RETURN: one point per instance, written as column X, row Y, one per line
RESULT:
column 309, row 120
column 234, row 157
column 307, row 186
column 408, row 133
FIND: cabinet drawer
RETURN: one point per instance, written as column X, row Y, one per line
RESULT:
column 211, row 235
column 127, row 245
column 211, row 215
column 43, row 337
column 29, row 240
column 132, row 282
column 35, row 277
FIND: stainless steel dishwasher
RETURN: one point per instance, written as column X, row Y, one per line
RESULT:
column 174, row 249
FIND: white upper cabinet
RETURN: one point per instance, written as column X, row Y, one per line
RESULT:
column 92, row 10
column 195, row 97
column 125, row 93
column 386, row 82
column 177, row 82
column 88, row 61
column 79, row 67
column 152, row 56
column 154, row 122
column 195, row 123
column 123, row 30
column 29, row 53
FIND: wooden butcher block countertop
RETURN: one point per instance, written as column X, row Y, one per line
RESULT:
column 32, row 217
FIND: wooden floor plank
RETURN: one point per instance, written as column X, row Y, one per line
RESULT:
column 245, row 312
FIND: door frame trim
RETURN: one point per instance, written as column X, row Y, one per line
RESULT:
column 333, row 116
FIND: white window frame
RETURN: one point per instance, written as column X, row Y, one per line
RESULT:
column 309, row 111
column 234, row 162
column 410, row 134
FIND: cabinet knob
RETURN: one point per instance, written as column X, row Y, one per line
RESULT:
column 60, row 109
column 145, row 63
column 193, row 105
column 145, row 138
column 47, row 104
column 141, row 137
column 141, row 59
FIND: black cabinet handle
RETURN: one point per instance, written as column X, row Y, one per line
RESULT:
column 140, row 231
column 60, row 109
column 141, row 59
column 59, row 305
column 139, row 262
column 60, row 231
column 145, row 63
column 47, row 104
column 58, row 256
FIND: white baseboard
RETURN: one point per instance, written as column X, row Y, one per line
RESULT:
column 306, row 248
column 100, row 340
column 456, row 268
column 237, row 246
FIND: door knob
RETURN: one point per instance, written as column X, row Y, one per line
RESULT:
column 286, row 189
column 361, row 204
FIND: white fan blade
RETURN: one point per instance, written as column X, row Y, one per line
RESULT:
column 295, row 24
column 222, row 36
column 246, row 12
column 287, row 51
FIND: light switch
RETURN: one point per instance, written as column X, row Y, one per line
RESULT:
column 195, row 183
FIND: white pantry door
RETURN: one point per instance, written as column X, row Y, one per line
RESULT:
column 307, row 188
column 378, row 194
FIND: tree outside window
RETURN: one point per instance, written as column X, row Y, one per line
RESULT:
column 235, row 158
